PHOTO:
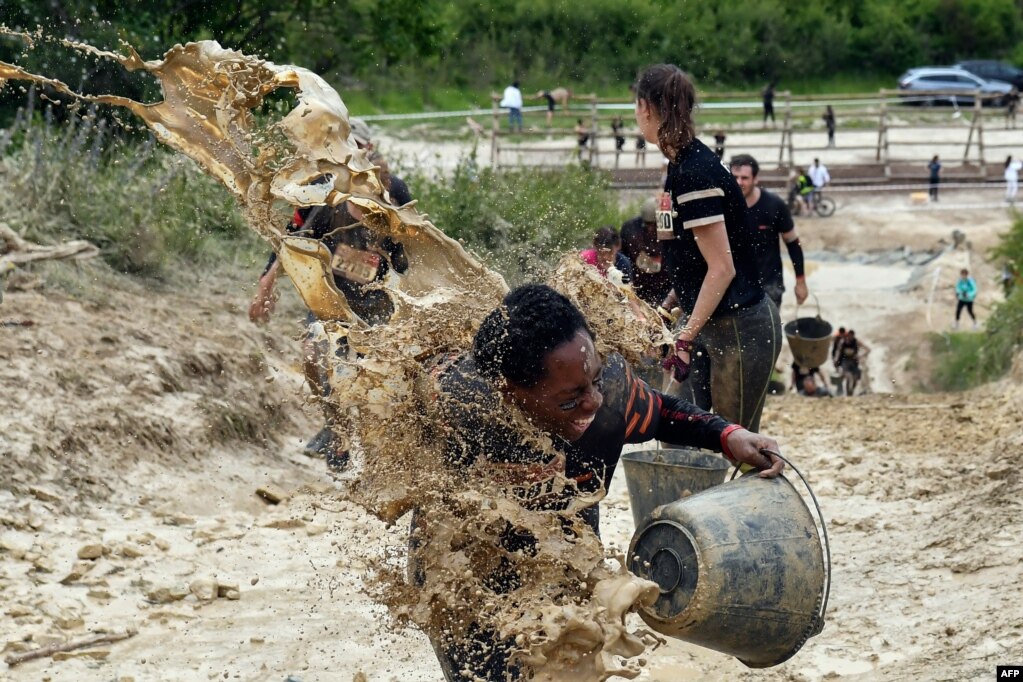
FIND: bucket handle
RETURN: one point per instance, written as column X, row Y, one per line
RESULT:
column 819, row 625
column 818, row 301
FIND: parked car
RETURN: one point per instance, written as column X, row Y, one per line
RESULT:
column 992, row 70
column 949, row 79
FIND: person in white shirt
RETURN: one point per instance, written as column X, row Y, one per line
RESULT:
column 819, row 176
column 512, row 100
column 1012, row 168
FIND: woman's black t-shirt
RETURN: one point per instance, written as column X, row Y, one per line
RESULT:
column 704, row 192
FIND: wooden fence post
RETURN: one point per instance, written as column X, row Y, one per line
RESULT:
column 494, row 130
column 882, row 136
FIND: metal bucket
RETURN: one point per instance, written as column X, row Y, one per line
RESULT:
column 657, row 477
column 809, row 339
column 740, row 567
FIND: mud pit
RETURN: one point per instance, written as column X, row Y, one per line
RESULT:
column 921, row 492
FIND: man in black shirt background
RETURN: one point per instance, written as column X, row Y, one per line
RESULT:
column 768, row 218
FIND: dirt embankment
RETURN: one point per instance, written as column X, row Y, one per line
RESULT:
column 136, row 425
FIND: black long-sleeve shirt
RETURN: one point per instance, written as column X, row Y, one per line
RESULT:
column 632, row 412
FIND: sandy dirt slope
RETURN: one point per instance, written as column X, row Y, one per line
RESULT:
column 136, row 426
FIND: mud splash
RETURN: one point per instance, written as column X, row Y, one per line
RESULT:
column 567, row 617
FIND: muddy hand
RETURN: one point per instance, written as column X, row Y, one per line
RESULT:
column 261, row 307
column 756, row 450
column 801, row 291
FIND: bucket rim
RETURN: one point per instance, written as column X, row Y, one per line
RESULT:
column 714, row 462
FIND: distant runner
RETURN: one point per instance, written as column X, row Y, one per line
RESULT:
column 359, row 260
column 851, row 351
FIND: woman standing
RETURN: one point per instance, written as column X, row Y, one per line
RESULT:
column 935, row 170
column 829, row 122
column 728, row 345
column 1012, row 169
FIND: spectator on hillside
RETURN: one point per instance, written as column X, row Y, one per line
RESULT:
column 512, row 100
column 1012, row 168
column 935, row 170
column 966, row 294
column 829, row 123
column 1010, row 275
column 1011, row 105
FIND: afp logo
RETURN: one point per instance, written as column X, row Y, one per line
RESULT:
column 1010, row 672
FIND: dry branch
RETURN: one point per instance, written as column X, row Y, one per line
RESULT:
column 15, row 250
column 15, row 659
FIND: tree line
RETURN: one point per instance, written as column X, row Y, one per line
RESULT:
column 389, row 45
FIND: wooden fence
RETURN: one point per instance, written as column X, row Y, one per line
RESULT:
column 882, row 136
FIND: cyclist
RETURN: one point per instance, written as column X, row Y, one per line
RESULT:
column 803, row 189
column 820, row 177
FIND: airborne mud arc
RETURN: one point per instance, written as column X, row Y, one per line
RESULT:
column 573, row 627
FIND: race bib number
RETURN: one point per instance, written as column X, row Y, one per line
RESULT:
column 649, row 264
column 665, row 218
column 355, row 265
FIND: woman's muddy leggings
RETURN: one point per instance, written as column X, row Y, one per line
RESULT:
column 732, row 362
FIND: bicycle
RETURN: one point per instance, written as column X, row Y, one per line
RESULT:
column 822, row 205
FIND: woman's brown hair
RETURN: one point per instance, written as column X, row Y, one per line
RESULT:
column 671, row 93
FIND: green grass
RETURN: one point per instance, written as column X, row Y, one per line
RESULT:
column 967, row 359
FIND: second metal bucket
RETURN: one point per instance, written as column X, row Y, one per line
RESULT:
column 657, row 477
column 740, row 569
column 809, row 339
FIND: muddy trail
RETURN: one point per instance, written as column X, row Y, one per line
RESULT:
column 154, row 486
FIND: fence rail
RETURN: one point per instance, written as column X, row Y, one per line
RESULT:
column 880, row 132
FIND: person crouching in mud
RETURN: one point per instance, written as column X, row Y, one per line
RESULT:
column 536, row 352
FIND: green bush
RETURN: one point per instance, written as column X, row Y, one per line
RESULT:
column 142, row 205
column 519, row 221
column 966, row 360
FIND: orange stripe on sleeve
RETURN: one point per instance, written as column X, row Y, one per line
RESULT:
column 651, row 400
column 632, row 394
column 632, row 425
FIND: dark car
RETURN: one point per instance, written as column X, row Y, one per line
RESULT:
column 992, row 70
column 947, row 85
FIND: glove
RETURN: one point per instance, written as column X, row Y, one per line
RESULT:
column 679, row 367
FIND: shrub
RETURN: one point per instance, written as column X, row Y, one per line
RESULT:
column 141, row 204
column 519, row 221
